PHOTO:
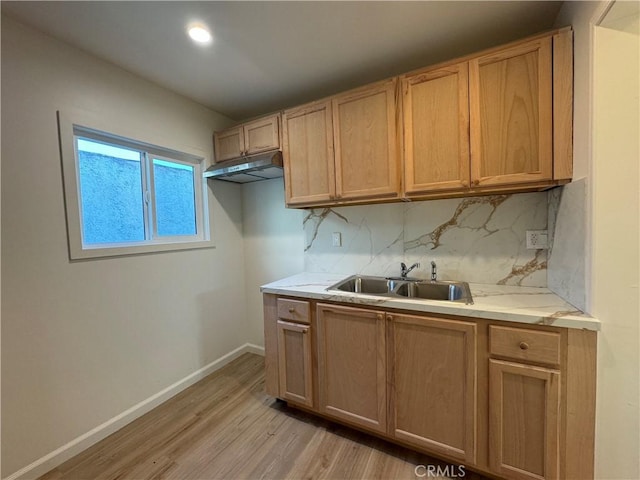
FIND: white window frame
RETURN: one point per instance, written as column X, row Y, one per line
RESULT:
column 153, row 224
column 78, row 124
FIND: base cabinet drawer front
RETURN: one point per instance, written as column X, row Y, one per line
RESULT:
column 433, row 378
column 352, row 365
column 294, row 363
column 293, row 310
column 524, row 421
column 525, row 345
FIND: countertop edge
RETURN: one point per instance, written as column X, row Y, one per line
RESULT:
column 306, row 286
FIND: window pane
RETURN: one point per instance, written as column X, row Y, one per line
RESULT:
column 175, row 198
column 111, row 193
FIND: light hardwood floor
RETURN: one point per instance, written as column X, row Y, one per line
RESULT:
column 226, row 427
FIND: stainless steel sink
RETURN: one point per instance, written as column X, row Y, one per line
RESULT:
column 407, row 288
column 369, row 285
column 451, row 291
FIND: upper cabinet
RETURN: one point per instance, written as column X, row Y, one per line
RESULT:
column 491, row 123
column 228, row 143
column 307, row 134
column 249, row 138
column 436, row 129
column 344, row 148
column 366, row 147
column 262, row 135
column 496, row 122
column 510, row 95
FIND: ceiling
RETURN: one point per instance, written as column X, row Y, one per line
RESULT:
column 271, row 55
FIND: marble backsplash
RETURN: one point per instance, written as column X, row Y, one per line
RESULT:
column 567, row 252
column 477, row 239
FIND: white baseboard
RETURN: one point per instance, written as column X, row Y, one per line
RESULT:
column 81, row 443
column 257, row 349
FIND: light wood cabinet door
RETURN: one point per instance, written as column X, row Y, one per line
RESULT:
column 432, row 365
column 524, row 406
column 308, row 154
column 294, row 363
column 262, row 135
column 511, row 111
column 365, row 139
column 229, row 143
column 249, row 138
column 352, row 365
column 436, row 129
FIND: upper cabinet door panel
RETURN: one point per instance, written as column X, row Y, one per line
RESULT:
column 229, row 143
column 249, row 138
column 308, row 154
column 366, row 147
column 511, row 115
column 262, row 135
column 436, row 129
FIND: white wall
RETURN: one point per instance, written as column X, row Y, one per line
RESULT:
column 608, row 156
column 84, row 341
column 616, row 242
column 273, row 245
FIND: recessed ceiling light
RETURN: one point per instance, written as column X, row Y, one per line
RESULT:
column 199, row 33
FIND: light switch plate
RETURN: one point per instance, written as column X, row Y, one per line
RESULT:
column 537, row 239
column 336, row 239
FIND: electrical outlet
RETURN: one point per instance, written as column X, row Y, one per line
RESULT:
column 537, row 240
column 336, row 239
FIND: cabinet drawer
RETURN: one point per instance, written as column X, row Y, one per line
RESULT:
column 294, row 310
column 523, row 344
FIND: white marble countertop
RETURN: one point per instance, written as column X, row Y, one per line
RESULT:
column 530, row 305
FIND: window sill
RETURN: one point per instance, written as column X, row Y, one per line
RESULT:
column 119, row 251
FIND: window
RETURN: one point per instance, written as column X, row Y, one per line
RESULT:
column 124, row 196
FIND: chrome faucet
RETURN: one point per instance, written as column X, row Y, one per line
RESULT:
column 404, row 271
column 434, row 271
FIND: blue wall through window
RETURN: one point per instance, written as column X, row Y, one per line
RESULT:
column 175, row 198
column 112, row 195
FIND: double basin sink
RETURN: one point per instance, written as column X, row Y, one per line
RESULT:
column 398, row 287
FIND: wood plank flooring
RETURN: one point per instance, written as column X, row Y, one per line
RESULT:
column 226, row 427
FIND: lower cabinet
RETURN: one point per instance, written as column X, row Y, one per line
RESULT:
column 524, row 402
column 524, row 420
column 294, row 362
column 512, row 401
column 433, row 377
column 352, row 365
